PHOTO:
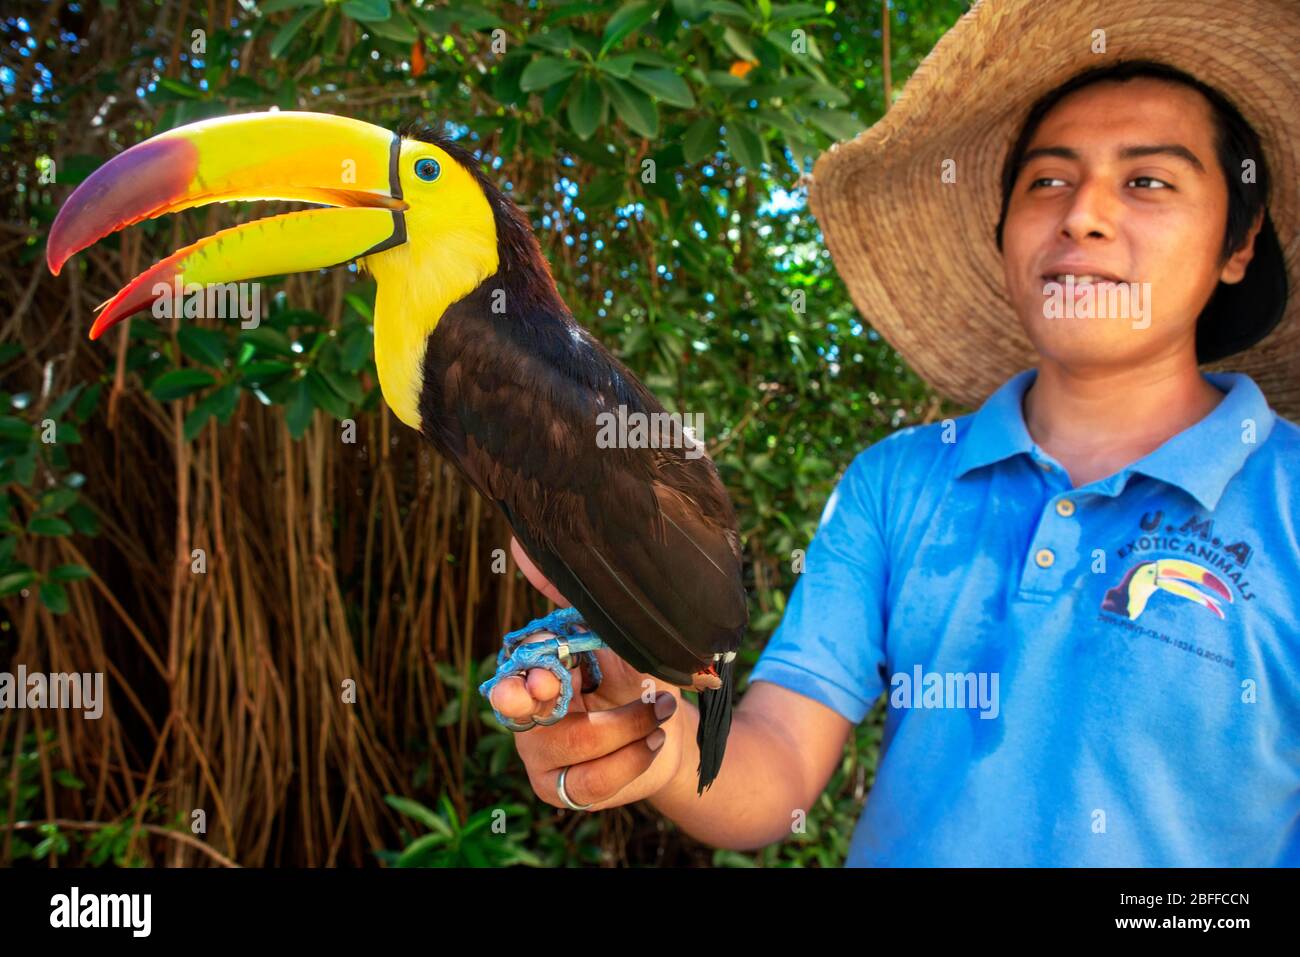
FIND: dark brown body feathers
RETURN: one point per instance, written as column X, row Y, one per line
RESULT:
column 642, row 541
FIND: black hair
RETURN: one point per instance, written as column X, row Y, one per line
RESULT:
column 1239, row 314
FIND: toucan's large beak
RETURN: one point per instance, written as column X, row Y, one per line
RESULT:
column 1173, row 574
column 309, row 157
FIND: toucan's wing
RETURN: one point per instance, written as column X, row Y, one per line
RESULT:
column 658, row 582
column 641, row 541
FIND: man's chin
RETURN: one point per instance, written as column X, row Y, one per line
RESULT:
column 1088, row 343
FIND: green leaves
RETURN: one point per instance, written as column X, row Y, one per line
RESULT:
column 74, row 170
column 837, row 124
column 744, row 144
column 298, row 411
column 603, row 190
column 757, row 73
column 664, row 85
column 13, row 428
column 416, row 810
column 317, row 369
column 634, row 108
column 587, row 107
column 368, row 11
column 701, row 140
column 11, row 583
column 355, row 350
column 633, row 88
column 54, row 597
column 203, row 345
column 325, row 396
column 179, row 383
column 384, row 21
column 621, row 24
column 180, row 88
column 487, row 838
column 219, row 403
column 397, row 28
column 544, row 72
column 284, row 36
column 275, row 6
column 48, row 525
column 55, row 842
column 83, row 519
column 268, row 339
column 69, row 573
column 739, row 44
column 40, row 494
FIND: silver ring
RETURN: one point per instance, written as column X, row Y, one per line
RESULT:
column 564, row 797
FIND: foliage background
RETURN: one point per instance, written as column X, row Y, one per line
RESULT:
column 328, row 561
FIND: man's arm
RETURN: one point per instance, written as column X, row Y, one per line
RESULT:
column 815, row 679
column 781, row 752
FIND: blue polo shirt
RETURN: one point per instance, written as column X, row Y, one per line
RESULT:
column 1106, row 675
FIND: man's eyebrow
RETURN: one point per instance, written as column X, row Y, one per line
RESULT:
column 1163, row 149
column 1127, row 152
column 1060, row 152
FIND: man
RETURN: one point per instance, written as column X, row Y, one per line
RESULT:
column 1080, row 601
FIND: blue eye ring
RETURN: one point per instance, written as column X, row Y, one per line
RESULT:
column 427, row 169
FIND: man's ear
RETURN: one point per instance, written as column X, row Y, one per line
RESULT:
column 1234, row 270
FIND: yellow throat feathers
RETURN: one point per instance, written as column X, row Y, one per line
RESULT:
column 451, row 249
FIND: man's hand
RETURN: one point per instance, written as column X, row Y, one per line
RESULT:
column 621, row 741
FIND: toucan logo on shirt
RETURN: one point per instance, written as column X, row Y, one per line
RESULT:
column 1184, row 564
column 1201, row 551
column 1173, row 575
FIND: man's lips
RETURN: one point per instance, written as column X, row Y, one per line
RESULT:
column 1082, row 272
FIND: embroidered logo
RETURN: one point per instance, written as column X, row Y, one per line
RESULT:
column 1173, row 575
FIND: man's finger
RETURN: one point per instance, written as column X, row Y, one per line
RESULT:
column 510, row 696
column 591, row 782
column 543, row 686
column 588, row 735
column 534, row 693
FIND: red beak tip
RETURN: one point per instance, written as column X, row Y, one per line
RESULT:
column 99, row 327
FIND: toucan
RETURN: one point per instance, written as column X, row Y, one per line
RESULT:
column 476, row 349
column 1131, row 595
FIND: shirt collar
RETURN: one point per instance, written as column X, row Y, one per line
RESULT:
column 1200, row 460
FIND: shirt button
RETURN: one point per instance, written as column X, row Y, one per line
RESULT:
column 1044, row 558
column 1065, row 508
column 1045, row 466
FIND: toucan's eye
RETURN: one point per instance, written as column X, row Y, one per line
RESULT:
column 428, row 169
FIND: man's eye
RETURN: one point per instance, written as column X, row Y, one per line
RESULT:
column 1152, row 181
column 1046, row 180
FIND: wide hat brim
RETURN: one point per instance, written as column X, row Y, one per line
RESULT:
column 918, row 254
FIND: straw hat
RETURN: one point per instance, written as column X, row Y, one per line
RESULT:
column 919, row 255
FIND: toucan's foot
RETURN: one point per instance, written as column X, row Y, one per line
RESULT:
column 556, row 655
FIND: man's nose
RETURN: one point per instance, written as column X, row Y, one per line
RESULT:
column 1092, row 213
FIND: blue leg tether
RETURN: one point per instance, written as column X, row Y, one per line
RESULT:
column 553, row 654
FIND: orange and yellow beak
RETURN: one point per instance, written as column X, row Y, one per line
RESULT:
column 1173, row 575
column 345, row 165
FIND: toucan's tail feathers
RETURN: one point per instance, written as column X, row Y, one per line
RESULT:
column 715, row 723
